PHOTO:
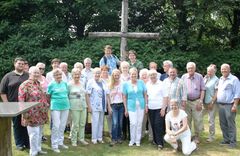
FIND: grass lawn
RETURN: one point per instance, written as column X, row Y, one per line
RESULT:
column 146, row 149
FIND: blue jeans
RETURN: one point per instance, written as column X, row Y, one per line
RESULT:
column 117, row 118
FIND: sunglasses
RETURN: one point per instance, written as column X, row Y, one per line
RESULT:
column 41, row 68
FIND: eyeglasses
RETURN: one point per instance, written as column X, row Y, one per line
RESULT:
column 41, row 68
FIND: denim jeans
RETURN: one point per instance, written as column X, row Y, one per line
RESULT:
column 117, row 118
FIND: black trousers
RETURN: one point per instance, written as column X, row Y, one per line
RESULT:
column 20, row 133
column 158, row 125
column 126, row 128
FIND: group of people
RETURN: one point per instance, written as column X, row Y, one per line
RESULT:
column 129, row 95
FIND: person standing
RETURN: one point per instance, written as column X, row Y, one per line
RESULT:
column 55, row 65
column 210, row 80
column 228, row 94
column 58, row 92
column 98, row 102
column 64, row 67
column 175, row 88
column 135, row 99
column 78, row 108
column 156, row 108
column 34, row 119
column 166, row 65
column 9, row 93
column 133, row 61
column 109, row 59
column 87, row 72
column 195, row 94
column 118, row 108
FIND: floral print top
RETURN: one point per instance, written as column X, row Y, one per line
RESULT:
column 31, row 91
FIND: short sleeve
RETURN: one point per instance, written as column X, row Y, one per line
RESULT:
column 3, row 85
column 49, row 89
column 101, row 62
column 183, row 114
column 89, row 87
column 167, row 118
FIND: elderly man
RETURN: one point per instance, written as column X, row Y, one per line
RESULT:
column 87, row 72
column 175, row 88
column 9, row 93
column 195, row 94
column 109, row 59
column 166, row 65
column 228, row 94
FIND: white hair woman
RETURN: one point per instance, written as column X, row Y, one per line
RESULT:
column 125, row 71
column 98, row 102
column 135, row 99
column 78, row 108
column 143, row 75
column 177, row 129
column 210, row 81
column 58, row 91
column 156, row 107
column 34, row 119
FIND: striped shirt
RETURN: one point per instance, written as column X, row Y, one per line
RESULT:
column 175, row 89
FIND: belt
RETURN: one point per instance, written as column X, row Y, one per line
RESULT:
column 117, row 104
column 193, row 99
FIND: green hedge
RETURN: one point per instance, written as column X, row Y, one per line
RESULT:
column 78, row 50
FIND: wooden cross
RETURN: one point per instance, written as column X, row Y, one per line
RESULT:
column 124, row 34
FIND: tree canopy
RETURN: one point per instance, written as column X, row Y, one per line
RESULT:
column 37, row 29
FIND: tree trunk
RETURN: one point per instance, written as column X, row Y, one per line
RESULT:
column 234, row 40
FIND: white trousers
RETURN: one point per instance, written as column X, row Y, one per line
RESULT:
column 35, row 138
column 136, row 120
column 97, row 125
column 59, row 121
column 187, row 145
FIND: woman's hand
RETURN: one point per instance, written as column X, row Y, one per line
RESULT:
column 89, row 110
column 162, row 112
column 109, row 110
column 126, row 113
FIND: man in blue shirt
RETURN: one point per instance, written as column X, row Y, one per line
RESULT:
column 109, row 59
column 228, row 94
column 166, row 65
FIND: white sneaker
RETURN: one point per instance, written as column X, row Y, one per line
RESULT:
column 101, row 141
column 74, row 144
column 56, row 150
column 130, row 144
column 63, row 146
column 94, row 142
column 138, row 144
column 84, row 142
column 42, row 152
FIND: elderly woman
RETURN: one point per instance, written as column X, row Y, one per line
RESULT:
column 135, row 99
column 58, row 91
column 31, row 91
column 117, row 106
column 78, row 108
column 87, row 72
column 156, row 107
column 177, row 129
column 209, row 100
column 98, row 102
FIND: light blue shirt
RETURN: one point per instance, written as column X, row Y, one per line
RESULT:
column 228, row 89
column 210, row 85
column 96, row 95
column 112, row 62
column 133, row 96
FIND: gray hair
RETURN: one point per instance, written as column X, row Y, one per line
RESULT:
column 142, row 71
column 225, row 65
column 40, row 64
column 78, row 65
column 133, row 70
column 63, row 64
column 87, row 60
column 32, row 69
column 152, row 71
column 211, row 68
column 168, row 62
column 191, row 64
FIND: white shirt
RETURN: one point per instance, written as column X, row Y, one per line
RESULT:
column 155, row 94
column 116, row 94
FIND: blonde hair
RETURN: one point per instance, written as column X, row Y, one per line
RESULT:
column 112, row 80
column 55, row 71
column 133, row 69
column 75, row 70
column 78, row 65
